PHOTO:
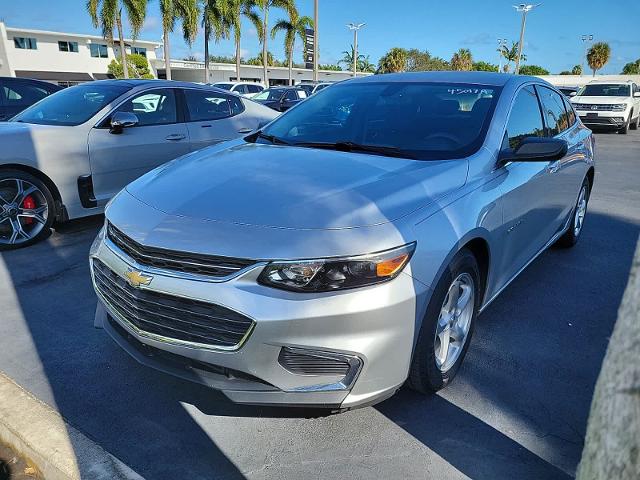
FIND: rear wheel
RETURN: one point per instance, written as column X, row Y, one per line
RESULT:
column 571, row 236
column 447, row 326
column 26, row 209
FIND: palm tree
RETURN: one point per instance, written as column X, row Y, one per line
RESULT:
column 347, row 59
column 236, row 10
column 110, row 15
column 365, row 65
column 187, row 12
column 290, row 7
column 294, row 27
column 395, row 60
column 510, row 55
column 214, row 22
column 462, row 60
column 598, row 56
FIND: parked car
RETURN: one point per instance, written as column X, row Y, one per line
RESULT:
column 312, row 88
column 67, row 155
column 320, row 86
column 612, row 105
column 246, row 89
column 350, row 244
column 16, row 94
column 280, row 98
column 568, row 91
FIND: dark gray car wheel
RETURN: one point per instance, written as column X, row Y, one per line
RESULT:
column 571, row 236
column 625, row 129
column 27, row 209
column 447, row 326
column 636, row 123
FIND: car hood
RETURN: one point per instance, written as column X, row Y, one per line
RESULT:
column 599, row 100
column 296, row 188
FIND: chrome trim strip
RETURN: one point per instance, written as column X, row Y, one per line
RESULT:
column 355, row 367
column 131, row 328
column 173, row 273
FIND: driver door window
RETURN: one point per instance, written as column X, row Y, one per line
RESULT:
column 525, row 119
column 157, row 107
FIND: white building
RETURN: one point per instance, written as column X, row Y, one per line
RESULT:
column 63, row 58
column 70, row 58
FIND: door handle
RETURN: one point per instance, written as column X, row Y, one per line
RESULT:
column 176, row 137
column 245, row 130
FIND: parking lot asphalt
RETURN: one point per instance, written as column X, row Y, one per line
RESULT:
column 518, row 408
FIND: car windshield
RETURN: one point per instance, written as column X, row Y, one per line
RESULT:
column 415, row 120
column 71, row 106
column 269, row 94
column 605, row 90
column 224, row 86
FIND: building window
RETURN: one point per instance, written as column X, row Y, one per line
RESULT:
column 139, row 51
column 98, row 51
column 25, row 43
column 68, row 47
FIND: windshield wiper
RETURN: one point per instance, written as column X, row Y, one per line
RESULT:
column 348, row 146
column 271, row 138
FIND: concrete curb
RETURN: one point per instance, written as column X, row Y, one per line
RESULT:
column 59, row 451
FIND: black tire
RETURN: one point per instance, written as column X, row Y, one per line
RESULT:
column 42, row 195
column 625, row 129
column 636, row 124
column 424, row 375
column 571, row 236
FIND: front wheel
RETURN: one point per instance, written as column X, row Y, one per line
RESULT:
column 625, row 129
column 571, row 236
column 447, row 326
column 26, row 209
column 636, row 124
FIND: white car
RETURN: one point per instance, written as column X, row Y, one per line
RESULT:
column 609, row 104
column 245, row 89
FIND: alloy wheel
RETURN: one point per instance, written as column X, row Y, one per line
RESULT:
column 24, row 211
column 454, row 321
column 581, row 211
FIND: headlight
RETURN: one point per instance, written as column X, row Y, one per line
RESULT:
column 329, row 274
column 620, row 107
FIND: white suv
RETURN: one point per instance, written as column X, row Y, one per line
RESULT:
column 246, row 89
column 609, row 104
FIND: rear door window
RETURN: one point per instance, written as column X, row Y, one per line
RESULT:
column 555, row 115
column 205, row 105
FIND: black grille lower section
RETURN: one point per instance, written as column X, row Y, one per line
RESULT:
column 177, row 261
column 170, row 316
column 311, row 363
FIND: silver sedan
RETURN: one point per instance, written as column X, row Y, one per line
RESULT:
column 348, row 247
column 67, row 155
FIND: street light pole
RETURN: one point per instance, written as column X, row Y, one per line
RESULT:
column 585, row 39
column 502, row 42
column 524, row 8
column 315, row 40
column 355, row 27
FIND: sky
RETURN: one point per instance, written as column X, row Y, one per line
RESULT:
column 552, row 37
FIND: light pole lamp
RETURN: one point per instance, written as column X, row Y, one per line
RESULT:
column 585, row 39
column 355, row 27
column 524, row 8
column 502, row 42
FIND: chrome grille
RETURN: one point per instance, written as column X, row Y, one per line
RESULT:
column 171, row 317
column 599, row 107
column 185, row 262
column 313, row 363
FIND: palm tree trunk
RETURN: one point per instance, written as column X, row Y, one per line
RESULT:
column 167, row 57
column 123, row 52
column 237, row 58
column 207, row 34
column 265, row 55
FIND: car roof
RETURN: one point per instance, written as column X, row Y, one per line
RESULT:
column 483, row 78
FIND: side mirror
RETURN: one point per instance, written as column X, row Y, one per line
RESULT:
column 121, row 120
column 636, row 95
column 535, row 149
column 573, row 94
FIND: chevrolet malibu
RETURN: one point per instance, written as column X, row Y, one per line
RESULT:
column 347, row 247
column 68, row 154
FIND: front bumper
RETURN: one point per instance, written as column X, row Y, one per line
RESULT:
column 373, row 327
column 603, row 119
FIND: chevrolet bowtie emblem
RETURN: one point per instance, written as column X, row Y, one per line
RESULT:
column 137, row 279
